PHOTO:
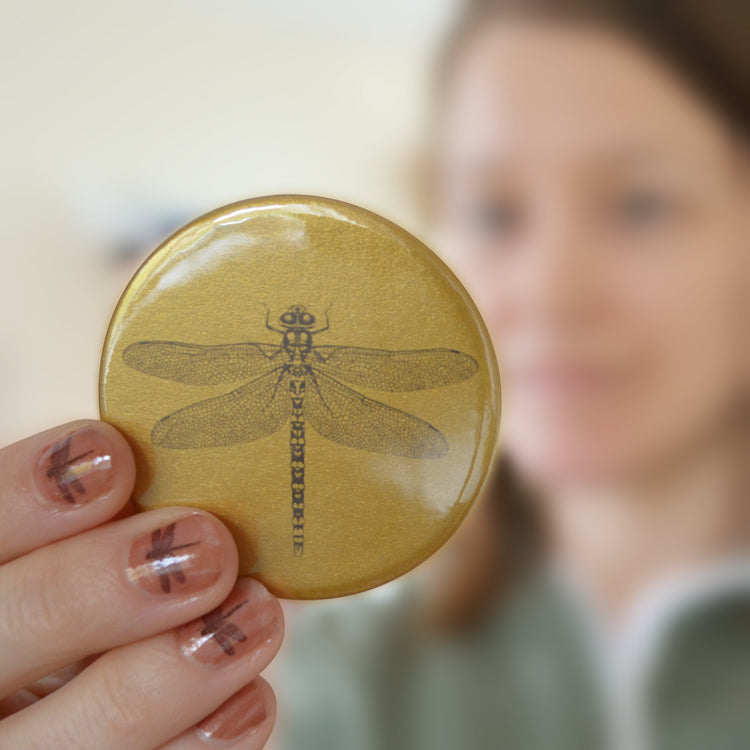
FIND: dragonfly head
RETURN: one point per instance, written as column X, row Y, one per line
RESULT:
column 297, row 316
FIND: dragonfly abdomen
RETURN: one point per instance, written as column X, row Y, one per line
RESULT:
column 297, row 449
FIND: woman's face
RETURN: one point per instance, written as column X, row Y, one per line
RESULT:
column 596, row 212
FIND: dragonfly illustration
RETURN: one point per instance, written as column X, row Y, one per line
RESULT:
column 217, row 626
column 163, row 551
column 62, row 472
column 297, row 381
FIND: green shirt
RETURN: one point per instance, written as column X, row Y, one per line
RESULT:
column 358, row 674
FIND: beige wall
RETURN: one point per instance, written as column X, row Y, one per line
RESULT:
column 119, row 117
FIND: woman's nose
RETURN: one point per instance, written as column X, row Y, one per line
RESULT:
column 560, row 282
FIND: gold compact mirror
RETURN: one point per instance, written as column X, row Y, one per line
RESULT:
column 314, row 376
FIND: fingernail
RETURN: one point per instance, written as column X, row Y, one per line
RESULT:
column 76, row 470
column 182, row 557
column 245, row 622
column 244, row 711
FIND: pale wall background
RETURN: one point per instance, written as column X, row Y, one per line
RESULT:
column 122, row 120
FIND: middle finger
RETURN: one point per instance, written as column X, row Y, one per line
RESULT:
column 109, row 586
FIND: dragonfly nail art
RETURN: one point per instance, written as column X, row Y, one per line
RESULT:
column 163, row 554
column 217, row 626
column 62, row 471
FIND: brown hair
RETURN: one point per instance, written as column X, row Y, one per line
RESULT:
column 704, row 41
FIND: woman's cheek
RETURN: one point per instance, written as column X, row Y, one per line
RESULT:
column 697, row 343
column 670, row 324
column 477, row 271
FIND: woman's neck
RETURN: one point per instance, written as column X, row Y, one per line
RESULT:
column 619, row 540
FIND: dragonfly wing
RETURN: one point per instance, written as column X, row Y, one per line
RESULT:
column 347, row 417
column 155, row 538
column 399, row 370
column 201, row 365
column 250, row 412
column 232, row 631
column 167, row 538
column 60, row 455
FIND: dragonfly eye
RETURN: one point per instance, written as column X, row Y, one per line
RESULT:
column 306, row 319
column 288, row 318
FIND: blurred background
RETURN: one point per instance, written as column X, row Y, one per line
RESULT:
column 122, row 121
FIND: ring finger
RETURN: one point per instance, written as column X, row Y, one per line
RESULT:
column 108, row 586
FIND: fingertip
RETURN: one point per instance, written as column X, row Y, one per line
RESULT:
column 62, row 481
column 105, row 474
column 245, row 720
column 269, row 698
column 122, row 457
column 229, row 543
column 259, row 592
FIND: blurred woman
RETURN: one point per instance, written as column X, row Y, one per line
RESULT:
column 589, row 183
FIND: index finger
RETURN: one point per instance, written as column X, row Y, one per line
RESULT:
column 61, row 482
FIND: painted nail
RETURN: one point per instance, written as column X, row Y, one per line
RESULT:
column 245, row 622
column 182, row 557
column 76, row 470
column 244, row 711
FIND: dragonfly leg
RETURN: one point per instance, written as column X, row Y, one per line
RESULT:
column 325, row 327
column 268, row 321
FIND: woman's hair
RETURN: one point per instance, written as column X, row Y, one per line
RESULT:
column 705, row 42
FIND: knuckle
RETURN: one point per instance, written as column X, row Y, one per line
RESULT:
column 129, row 686
column 40, row 602
column 52, row 599
column 115, row 703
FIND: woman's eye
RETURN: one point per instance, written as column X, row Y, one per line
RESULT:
column 643, row 209
column 494, row 219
